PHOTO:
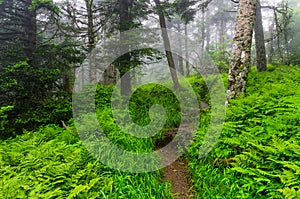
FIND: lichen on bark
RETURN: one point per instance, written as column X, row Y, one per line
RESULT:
column 241, row 53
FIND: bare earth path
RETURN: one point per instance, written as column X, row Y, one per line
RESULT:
column 177, row 172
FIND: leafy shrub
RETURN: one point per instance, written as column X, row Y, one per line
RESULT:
column 53, row 111
column 36, row 99
column 3, row 117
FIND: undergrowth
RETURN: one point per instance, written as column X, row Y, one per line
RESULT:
column 53, row 163
column 258, row 153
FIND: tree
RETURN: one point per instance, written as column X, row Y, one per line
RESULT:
column 125, row 24
column 294, row 57
column 261, row 60
column 280, row 32
column 84, row 21
column 187, row 13
column 186, row 10
column 167, row 46
column 128, row 14
column 38, row 60
column 271, row 43
column 282, row 27
column 241, row 51
column 18, row 26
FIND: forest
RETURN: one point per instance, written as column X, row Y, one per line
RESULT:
column 159, row 99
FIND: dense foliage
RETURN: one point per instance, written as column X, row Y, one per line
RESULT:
column 53, row 163
column 257, row 155
column 45, row 44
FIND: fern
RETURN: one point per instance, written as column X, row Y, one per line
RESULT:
column 260, row 147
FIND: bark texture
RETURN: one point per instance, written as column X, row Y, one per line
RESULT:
column 109, row 75
column 241, row 53
column 261, row 60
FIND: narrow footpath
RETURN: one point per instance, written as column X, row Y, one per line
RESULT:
column 177, row 172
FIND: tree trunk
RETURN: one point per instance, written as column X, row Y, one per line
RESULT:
column 222, row 31
column 270, row 44
column 261, row 61
column 241, row 53
column 186, row 52
column 124, row 64
column 109, row 75
column 277, row 25
column 207, row 37
column 68, row 81
column 286, row 47
column 167, row 45
column 91, row 40
column 82, row 76
column 202, row 26
column 180, row 59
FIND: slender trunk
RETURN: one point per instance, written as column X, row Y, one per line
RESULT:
column 241, row 53
column 271, row 44
column 202, row 29
column 82, row 76
column 68, row 81
column 261, row 61
column 208, row 37
column 110, row 73
column 180, row 63
column 287, row 48
column 91, row 41
column 278, row 38
column 180, row 58
column 222, row 32
column 167, row 45
column 186, row 52
column 124, row 64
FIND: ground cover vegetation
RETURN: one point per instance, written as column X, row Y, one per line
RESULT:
column 47, row 57
column 257, row 155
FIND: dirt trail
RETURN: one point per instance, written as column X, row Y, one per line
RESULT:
column 176, row 173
